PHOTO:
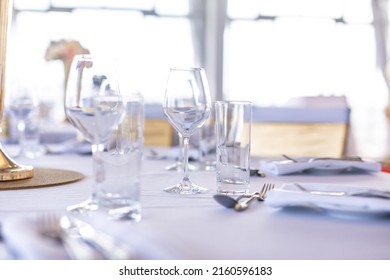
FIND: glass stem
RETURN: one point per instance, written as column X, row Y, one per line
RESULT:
column 181, row 147
column 186, row 179
column 98, row 169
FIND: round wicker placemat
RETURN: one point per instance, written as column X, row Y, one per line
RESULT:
column 43, row 177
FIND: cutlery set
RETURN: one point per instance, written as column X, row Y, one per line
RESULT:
column 81, row 240
column 236, row 203
column 347, row 158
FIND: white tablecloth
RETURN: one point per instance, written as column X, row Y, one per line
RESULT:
column 196, row 227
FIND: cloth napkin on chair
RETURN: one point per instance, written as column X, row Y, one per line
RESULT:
column 284, row 167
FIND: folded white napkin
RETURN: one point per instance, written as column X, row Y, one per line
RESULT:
column 320, row 166
column 24, row 241
column 291, row 195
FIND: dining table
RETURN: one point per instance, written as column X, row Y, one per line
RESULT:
column 196, row 227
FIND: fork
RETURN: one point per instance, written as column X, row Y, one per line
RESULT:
column 260, row 196
column 49, row 226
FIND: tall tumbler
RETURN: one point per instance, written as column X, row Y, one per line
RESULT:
column 117, row 164
column 233, row 128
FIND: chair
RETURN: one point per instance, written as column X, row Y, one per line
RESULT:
column 306, row 126
column 157, row 130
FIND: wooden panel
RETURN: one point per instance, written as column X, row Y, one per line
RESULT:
column 158, row 132
column 298, row 139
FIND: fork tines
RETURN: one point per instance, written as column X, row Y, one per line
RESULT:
column 266, row 188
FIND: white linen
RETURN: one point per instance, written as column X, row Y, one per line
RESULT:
column 319, row 166
column 197, row 228
column 320, row 195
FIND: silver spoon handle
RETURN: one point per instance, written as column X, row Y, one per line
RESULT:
column 245, row 204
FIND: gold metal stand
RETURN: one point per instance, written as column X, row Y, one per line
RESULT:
column 9, row 170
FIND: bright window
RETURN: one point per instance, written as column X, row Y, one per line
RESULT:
column 279, row 49
column 272, row 49
column 148, row 37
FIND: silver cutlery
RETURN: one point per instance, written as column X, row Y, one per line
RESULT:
column 346, row 158
column 359, row 193
column 289, row 158
column 102, row 242
column 76, row 248
column 80, row 239
column 235, row 203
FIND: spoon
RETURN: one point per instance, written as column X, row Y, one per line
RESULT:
column 256, row 172
column 230, row 202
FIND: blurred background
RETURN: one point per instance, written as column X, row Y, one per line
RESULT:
column 265, row 51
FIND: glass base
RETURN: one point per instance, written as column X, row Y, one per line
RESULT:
column 31, row 152
column 180, row 189
column 130, row 213
column 85, row 207
column 120, row 208
column 207, row 165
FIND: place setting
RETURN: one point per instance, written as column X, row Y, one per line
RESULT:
column 59, row 235
column 342, row 200
column 319, row 165
column 326, row 195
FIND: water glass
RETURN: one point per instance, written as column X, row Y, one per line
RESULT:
column 233, row 129
column 25, row 111
column 117, row 164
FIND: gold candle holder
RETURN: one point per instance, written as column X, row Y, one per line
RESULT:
column 9, row 169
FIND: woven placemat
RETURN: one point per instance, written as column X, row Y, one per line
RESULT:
column 43, row 177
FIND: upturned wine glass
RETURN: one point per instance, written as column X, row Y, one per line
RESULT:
column 24, row 106
column 93, row 105
column 187, row 106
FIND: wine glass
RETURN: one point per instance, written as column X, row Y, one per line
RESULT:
column 187, row 106
column 94, row 107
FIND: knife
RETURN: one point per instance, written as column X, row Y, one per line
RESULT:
column 102, row 242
